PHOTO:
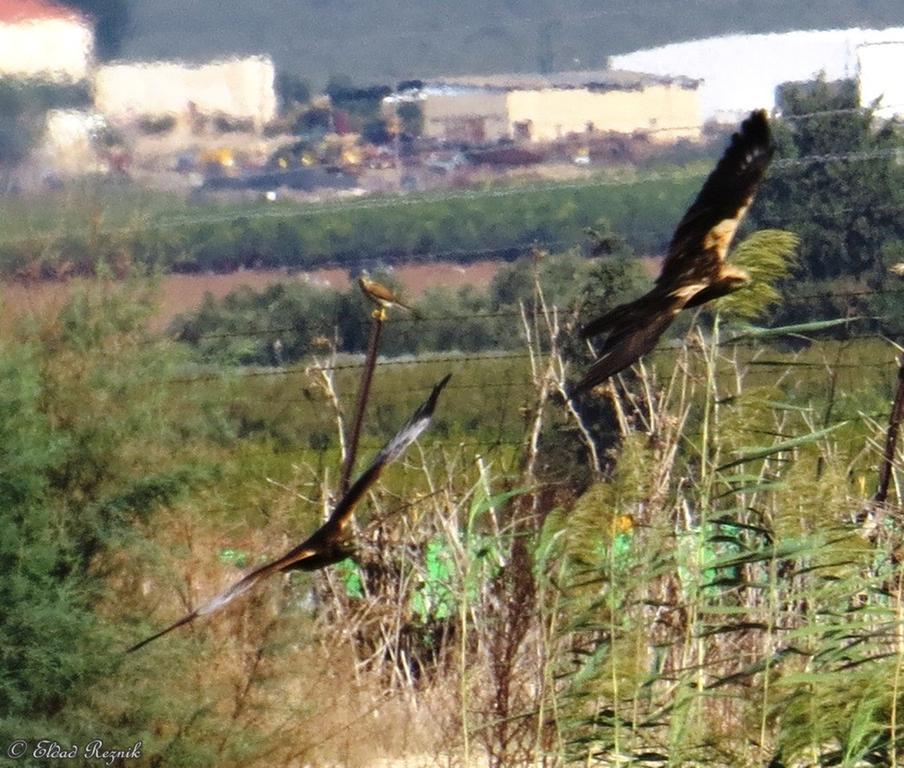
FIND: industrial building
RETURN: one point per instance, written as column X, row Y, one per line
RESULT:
column 478, row 109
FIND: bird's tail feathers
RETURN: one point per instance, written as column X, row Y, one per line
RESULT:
column 623, row 316
column 635, row 338
column 415, row 313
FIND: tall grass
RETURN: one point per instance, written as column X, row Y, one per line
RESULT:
column 735, row 599
column 719, row 590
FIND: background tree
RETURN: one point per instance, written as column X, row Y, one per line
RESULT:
column 18, row 126
column 845, row 204
column 112, row 23
column 293, row 91
column 411, row 117
column 71, row 487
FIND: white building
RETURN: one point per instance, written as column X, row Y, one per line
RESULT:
column 741, row 72
column 39, row 39
column 69, row 143
column 240, row 89
column 881, row 80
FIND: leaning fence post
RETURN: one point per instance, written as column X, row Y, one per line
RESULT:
column 376, row 328
column 891, row 437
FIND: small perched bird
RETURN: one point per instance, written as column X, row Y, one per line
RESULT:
column 331, row 542
column 383, row 297
column 694, row 271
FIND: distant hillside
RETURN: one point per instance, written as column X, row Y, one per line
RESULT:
column 372, row 40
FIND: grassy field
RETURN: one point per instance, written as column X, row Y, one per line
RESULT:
column 713, row 586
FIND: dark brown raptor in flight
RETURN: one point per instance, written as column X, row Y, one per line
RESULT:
column 331, row 542
column 694, row 271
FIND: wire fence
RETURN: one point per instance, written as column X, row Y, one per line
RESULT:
column 427, row 320
column 762, row 338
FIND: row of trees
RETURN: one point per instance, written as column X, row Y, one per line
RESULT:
column 495, row 223
column 847, row 202
column 285, row 322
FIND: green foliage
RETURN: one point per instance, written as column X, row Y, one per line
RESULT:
column 40, row 667
column 23, row 106
column 434, row 599
column 298, row 314
column 746, row 586
column 845, row 213
column 72, row 486
column 612, row 281
column 351, row 577
column 767, row 256
column 292, row 89
column 17, row 132
column 411, row 116
column 288, row 321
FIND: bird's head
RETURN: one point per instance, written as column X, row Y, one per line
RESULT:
column 734, row 277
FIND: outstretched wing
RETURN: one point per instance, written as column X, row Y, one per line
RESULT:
column 703, row 236
column 693, row 266
column 239, row 588
column 628, row 315
column 326, row 545
column 418, row 422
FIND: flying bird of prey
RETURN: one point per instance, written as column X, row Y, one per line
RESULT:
column 333, row 541
column 694, row 271
column 385, row 298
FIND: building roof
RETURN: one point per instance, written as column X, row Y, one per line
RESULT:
column 18, row 11
column 601, row 80
column 761, row 62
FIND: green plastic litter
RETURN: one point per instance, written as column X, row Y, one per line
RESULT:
column 434, row 598
column 350, row 574
column 235, row 557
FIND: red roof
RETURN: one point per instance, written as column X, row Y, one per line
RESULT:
column 16, row 11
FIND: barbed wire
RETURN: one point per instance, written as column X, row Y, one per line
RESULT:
column 498, row 356
column 528, row 383
column 379, row 393
column 508, row 356
column 806, row 161
column 477, row 316
column 472, row 194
